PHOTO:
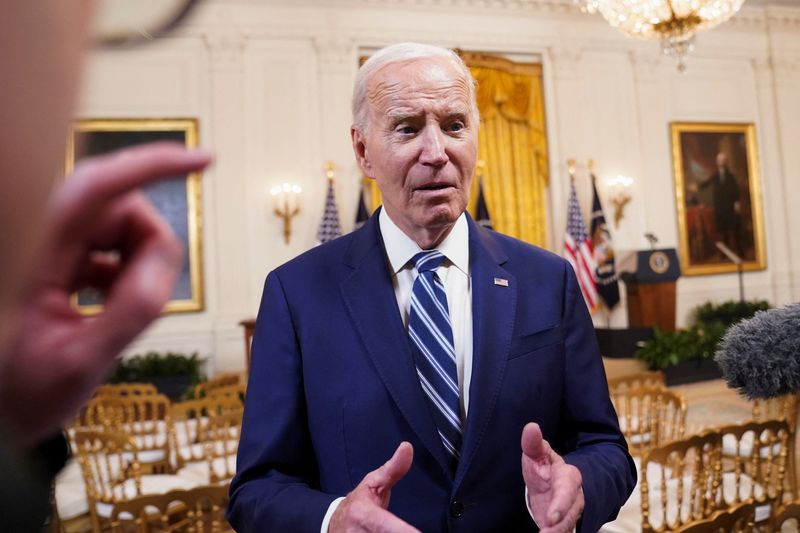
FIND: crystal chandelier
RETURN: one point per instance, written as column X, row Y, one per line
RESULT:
column 673, row 22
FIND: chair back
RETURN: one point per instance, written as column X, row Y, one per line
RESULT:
column 782, row 408
column 680, row 482
column 200, row 510
column 207, row 431
column 755, row 455
column 222, row 444
column 650, row 417
column 109, row 467
column 786, row 518
column 126, row 389
column 223, row 379
column 647, row 378
column 739, row 519
column 145, row 418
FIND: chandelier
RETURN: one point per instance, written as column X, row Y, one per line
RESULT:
column 673, row 22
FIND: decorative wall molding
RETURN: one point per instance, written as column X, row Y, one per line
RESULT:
column 334, row 50
column 553, row 6
column 646, row 63
column 566, row 61
column 226, row 48
column 783, row 18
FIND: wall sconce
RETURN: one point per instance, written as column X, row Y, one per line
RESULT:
column 619, row 192
column 286, row 199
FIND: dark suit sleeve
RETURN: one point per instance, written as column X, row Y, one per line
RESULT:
column 275, row 488
column 597, row 448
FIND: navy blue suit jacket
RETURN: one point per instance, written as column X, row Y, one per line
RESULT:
column 333, row 391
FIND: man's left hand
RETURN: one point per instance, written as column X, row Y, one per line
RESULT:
column 554, row 487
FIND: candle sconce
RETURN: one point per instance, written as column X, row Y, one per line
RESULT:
column 286, row 199
column 619, row 192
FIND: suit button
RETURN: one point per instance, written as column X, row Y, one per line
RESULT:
column 456, row 509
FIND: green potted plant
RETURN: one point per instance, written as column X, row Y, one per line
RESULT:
column 171, row 373
column 729, row 312
column 687, row 355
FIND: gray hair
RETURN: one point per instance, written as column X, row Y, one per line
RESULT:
column 397, row 53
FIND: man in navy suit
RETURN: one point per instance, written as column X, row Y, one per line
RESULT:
column 345, row 429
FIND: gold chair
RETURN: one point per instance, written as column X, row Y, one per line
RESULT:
column 647, row 378
column 650, row 417
column 126, row 389
column 112, row 474
column 144, row 418
column 754, row 461
column 782, row 408
column 787, row 518
column 205, row 437
column 740, row 519
column 200, row 510
column 681, row 482
column 221, row 380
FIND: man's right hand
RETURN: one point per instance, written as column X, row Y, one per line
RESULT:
column 364, row 509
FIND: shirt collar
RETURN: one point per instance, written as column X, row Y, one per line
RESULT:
column 400, row 248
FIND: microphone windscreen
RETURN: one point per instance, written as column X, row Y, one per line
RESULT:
column 760, row 356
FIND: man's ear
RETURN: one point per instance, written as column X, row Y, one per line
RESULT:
column 360, row 149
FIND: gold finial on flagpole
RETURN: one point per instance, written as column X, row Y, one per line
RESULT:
column 590, row 166
column 480, row 167
column 330, row 166
column 571, row 167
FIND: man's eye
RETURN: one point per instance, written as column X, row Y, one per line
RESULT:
column 406, row 130
column 457, row 126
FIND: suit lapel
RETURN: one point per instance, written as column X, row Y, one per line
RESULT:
column 493, row 312
column 372, row 305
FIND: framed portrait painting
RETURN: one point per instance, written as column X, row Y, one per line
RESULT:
column 718, row 197
column 177, row 199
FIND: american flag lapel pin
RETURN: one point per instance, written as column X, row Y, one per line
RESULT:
column 501, row 281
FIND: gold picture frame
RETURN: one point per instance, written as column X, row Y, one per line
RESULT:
column 718, row 197
column 177, row 199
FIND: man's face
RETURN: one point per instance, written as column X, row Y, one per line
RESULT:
column 421, row 143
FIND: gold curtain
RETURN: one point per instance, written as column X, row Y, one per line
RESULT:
column 512, row 145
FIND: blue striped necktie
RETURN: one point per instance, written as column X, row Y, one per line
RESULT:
column 431, row 334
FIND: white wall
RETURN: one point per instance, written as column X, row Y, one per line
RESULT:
column 270, row 82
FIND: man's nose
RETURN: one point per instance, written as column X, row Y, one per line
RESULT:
column 433, row 147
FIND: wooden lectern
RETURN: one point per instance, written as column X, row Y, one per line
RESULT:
column 649, row 278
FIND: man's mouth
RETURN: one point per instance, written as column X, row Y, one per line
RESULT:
column 434, row 187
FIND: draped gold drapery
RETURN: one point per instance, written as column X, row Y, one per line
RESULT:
column 512, row 144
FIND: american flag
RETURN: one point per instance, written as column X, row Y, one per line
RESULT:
column 329, row 228
column 578, row 250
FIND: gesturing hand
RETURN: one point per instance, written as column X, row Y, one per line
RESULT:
column 57, row 356
column 554, row 487
column 364, row 509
